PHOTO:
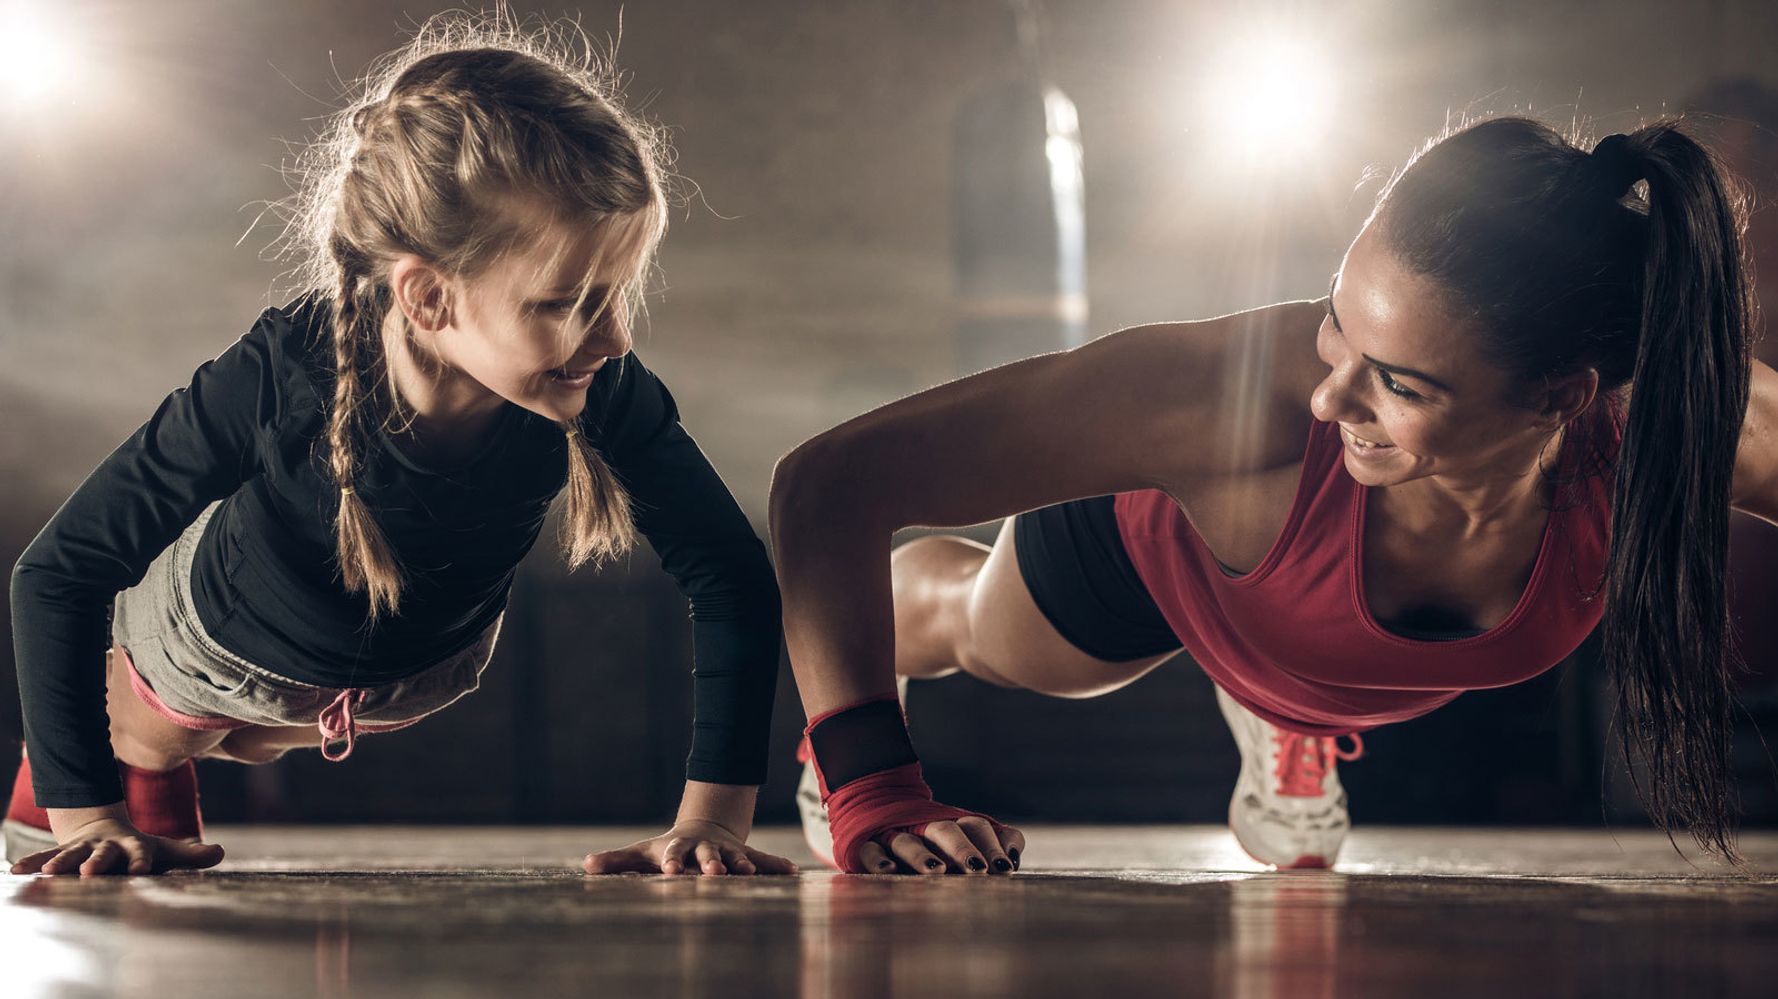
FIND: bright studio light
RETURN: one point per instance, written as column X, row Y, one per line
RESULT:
column 1269, row 97
column 37, row 57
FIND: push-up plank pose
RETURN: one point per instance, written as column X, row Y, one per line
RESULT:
column 1519, row 411
column 317, row 538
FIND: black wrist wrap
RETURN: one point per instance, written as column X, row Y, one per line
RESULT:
column 859, row 741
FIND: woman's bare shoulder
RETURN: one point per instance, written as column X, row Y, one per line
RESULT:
column 1236, row 387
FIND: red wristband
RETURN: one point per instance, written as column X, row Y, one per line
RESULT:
column 882, row 806
column 878, row 805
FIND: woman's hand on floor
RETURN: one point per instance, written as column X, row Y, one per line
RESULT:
column 108, row 846
column 689, row 847
column 967, row 846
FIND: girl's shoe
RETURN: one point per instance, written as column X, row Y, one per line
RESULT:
column 1288, row 809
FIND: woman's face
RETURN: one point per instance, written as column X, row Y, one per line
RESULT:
column 517, row 332
column 1407, row 384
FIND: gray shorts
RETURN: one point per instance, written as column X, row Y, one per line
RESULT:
column 183, row 675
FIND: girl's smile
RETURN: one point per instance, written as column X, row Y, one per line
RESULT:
column 576, row 379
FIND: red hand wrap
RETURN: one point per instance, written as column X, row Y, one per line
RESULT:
column 879, row 805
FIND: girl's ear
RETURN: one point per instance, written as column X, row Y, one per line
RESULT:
column 421, row 292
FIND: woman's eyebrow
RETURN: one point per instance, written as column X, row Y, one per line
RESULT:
column 1394, row 369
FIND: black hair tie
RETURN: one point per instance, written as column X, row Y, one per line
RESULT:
column 1614, row 165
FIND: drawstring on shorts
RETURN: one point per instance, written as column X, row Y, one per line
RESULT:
column 336, row 722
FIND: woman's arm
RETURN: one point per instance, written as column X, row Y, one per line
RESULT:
column 1755, row 488
column 1147, row 407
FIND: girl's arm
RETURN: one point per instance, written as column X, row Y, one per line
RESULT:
column 197, row 447
column 1149, row 407
column 1755, row 488
column 707, row 545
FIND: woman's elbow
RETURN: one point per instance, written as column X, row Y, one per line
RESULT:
column 805, row 482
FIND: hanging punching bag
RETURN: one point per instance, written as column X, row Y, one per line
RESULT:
column 1020, row 217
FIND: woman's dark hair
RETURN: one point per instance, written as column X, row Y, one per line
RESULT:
column 1560, row 262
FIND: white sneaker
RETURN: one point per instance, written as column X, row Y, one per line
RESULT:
column 814, row 814
column 1288, row 809
column 816, row 831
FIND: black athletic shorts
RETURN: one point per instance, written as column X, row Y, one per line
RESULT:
column 1074, row 563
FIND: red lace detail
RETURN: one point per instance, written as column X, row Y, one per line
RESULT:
column 1303, row 761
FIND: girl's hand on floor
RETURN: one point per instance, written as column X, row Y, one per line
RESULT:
column 107, row 846
column 689, row 847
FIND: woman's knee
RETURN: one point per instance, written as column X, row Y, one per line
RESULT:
column 931, row 579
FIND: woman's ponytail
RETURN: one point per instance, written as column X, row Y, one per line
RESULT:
column 1666, row 627
column 1560, row 265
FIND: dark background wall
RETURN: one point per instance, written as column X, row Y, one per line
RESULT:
column 806, row 278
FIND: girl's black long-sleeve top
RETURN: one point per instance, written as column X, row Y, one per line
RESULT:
column 250, row 431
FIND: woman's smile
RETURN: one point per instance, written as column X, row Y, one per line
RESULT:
column 1362, row 447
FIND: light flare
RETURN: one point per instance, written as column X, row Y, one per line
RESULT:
column 39, row 61
column 1270, row 97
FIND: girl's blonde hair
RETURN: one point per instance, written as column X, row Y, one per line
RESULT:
column 439, row 142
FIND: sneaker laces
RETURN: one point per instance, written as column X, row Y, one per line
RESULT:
column 1303, row 761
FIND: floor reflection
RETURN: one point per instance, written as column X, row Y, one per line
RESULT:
column 333, row 956
column 45, row 952
column 287, row 926
column 1284, row 934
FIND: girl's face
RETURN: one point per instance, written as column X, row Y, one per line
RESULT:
column 1407, row 384
column 522, row 330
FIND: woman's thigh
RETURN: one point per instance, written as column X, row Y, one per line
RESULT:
column 1014, row 643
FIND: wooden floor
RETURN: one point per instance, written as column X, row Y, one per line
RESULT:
column 1119, row 911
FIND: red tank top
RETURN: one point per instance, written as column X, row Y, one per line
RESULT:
column 1294, row 641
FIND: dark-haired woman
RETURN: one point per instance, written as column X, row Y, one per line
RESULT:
column 1525, row 406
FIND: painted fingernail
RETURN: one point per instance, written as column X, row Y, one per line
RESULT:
column 1014, row 854
column 883, row 865
column 1002, row 865
column 933, row 863
column 975, row 864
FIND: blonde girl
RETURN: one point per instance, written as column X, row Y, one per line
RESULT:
column 317, row 537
